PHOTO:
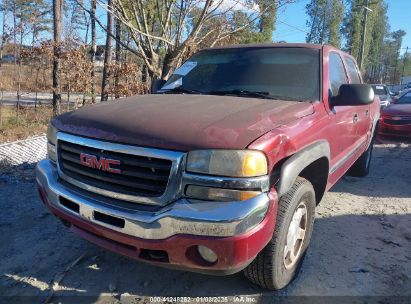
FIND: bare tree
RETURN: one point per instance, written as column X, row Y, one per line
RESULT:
column 15, row 32
column 93, row 50
column 118, row 58
column 57, row 8
column 107, row 54
column 165, row 32
column 4, row 7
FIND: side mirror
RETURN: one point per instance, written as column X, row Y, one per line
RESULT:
column 156, row 85
column 354, row 95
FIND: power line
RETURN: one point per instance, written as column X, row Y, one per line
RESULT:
column 294, row 27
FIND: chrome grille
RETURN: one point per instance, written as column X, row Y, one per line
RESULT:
column 138, row 175
column 145, row 174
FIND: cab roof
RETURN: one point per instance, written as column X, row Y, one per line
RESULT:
column 265, row 45
column 280, row 45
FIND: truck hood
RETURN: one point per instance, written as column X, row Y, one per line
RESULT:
column 182, row 122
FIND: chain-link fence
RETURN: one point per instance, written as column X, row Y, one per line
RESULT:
column 28, row 151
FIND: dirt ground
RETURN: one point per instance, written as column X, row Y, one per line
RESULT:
column 361, row 246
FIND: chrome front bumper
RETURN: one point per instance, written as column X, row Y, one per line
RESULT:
column 184, row 216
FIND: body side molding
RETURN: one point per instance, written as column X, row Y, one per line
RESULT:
column 374, row 127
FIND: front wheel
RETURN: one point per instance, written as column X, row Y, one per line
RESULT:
column 276, row 265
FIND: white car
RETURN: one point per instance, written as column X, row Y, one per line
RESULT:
column 383, row 93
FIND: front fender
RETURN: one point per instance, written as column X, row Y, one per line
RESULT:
column 294, row 165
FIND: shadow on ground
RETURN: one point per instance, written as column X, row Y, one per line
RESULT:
column 390, row 173
column 349, row 255
column 361, row 246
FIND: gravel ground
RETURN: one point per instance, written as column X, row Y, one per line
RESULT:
column 361, row 246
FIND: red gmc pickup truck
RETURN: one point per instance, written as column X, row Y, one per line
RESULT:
column 220, row 170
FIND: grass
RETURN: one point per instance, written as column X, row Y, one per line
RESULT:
column 9, row 78
column 32, row 122
column 29, row 123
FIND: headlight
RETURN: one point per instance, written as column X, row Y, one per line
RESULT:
column 51, row 142
column 52, row 134
column 232, row 163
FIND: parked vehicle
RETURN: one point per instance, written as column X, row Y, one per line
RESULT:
column 220, row 171
column 8, row 58
column 383, row 93
column 396, row 118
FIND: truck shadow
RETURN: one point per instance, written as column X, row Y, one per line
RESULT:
column 349, row 255
column 390, row 162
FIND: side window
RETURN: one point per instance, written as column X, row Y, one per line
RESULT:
column 337, row 73
column 352, row 70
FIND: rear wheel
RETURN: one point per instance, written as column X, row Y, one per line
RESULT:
column 276, row 265
column 361, row 167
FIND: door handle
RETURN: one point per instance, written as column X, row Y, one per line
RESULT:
column 355, row 118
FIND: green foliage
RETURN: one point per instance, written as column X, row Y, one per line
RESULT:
column 406, row 64
column 266, row 24
column 325, row 19
column 381, row 57
column 40, row 20
column 352, row 26
column 32, row 16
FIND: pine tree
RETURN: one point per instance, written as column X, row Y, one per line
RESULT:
column 4, row 8
column 379, row 33
column 325, row 21
column 267, row 19
column 40, row 19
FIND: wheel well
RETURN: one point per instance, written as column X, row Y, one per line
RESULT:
column 317, row 174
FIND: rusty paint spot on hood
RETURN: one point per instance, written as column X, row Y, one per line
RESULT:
column 182, row 122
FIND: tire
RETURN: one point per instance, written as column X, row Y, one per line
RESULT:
column 361, row 167
column 271, row 269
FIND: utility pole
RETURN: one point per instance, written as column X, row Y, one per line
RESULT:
column 403, row 66
column 364, row 33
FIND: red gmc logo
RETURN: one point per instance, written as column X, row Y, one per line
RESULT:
column 103, row 163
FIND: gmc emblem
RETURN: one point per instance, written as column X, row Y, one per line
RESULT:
column 103, row 163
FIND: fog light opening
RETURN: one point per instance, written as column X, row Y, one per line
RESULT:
column 207, row 254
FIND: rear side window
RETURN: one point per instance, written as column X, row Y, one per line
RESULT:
column 337, row 73
column 352, row 70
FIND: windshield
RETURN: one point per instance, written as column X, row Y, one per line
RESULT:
column 379, row 90
column 281, row 73
column 406, row 99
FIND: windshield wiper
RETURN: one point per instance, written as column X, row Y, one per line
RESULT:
column 182, row 90
column 238, row 92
